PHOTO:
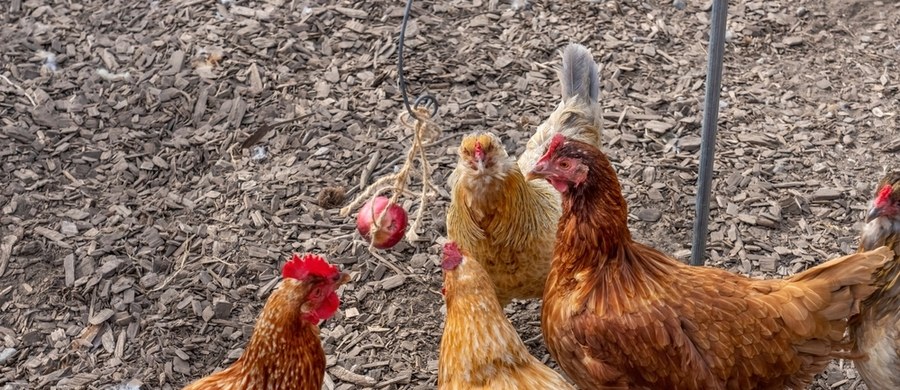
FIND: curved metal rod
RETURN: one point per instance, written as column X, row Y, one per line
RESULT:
column 710, row 123
column 425, row 100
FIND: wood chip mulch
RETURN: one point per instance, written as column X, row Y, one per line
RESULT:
column 139, row 241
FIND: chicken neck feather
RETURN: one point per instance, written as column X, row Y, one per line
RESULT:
column 505, row 210
column 284, row 352
column 478, row 341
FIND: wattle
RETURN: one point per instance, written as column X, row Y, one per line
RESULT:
column 328, row 307
column 560, row 185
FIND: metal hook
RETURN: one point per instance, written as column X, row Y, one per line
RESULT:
column 424, row 100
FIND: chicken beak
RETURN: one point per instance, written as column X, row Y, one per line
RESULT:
column 479, row 152
column 540, row 171
column 341, row 278
column 874, row 212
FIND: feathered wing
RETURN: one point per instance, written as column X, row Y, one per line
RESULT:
column 712, row 329
column 886, row 300
column 578, row 115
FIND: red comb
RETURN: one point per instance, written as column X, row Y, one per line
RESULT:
column 883, row 195
column 555, row 143
column 309, row 264
column 452, row 256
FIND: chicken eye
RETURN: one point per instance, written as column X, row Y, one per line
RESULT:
column 564, row 164
column 316, row 292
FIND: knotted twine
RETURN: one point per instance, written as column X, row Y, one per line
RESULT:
column 424, row 130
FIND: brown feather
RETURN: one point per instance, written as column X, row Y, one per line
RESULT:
column 284, row 353
column 480, row 349
column 721, row 330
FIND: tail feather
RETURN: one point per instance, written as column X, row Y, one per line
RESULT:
column 843, row 282
column 579, row 76
column 815, row 306
column 816, row 303
column 841, row 303
column 815, row 348
column 578, row 114
column 853, row 269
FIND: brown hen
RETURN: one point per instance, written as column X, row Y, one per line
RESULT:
column 619, row 313
column 285, row 352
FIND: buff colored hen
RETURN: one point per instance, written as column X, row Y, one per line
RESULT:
column 480, row 349
column 503, row 220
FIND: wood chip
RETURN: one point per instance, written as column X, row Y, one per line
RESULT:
column 101, row 316
column 127, row 187
column 348, row 376
column 393, row 282
column 825, row 194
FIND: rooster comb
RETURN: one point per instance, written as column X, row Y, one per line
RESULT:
column 299, row 267
column 452, row 256
column 884, row 194
column 555, row 143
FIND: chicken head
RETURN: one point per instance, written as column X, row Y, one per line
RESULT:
column 883, row 218
column 483, row 155
column 318, row 282
column 561, row 167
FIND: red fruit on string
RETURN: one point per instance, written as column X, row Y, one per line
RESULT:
column 390, row 229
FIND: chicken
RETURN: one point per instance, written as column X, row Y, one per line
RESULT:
column 285, row 352
column 504, row 220
column 876, row 330
column 619, row 313
column 480, row 349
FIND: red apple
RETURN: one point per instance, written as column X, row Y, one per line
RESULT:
column 391, row 228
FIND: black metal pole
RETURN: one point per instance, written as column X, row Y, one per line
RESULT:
column 710, row 123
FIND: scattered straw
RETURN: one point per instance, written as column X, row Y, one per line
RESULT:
column 185, row 252
column 17, row 86
column 424, row 130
